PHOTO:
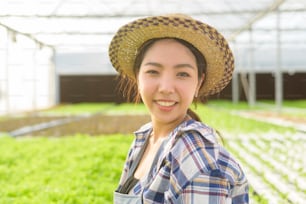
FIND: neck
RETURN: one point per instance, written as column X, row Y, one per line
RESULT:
column 161, row 130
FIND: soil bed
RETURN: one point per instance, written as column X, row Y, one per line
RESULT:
column 10, row 124
column 97, row 125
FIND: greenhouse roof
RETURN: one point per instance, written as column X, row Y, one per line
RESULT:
column 88, row 25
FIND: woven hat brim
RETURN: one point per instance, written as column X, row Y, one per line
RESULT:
column 220, row 61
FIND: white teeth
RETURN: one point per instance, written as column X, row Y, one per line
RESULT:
column 165, row 103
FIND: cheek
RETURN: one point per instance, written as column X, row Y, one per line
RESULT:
column 190, row 84
column 188, row 91
column 144, row 85
column 140, row 83
column 190, row 94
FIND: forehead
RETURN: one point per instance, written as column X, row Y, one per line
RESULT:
column 168, row 42
column 170, row 48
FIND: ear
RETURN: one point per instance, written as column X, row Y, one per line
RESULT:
column 200, row 84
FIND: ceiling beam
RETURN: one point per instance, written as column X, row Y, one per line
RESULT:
column 234, row 12
column 112, row 33
column 274, row 6
column 30, row 36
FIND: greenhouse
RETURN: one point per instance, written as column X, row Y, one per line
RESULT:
column 54, row 53
column 43, row 41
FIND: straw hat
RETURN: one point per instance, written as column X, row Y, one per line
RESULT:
column 220, row 61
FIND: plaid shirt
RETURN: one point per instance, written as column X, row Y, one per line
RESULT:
column 192, row 168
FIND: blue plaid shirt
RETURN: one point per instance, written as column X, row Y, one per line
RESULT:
column 191, row 168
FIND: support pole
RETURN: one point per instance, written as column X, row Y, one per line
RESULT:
column 34, row 77
column 235, row 83
column 252, row 76
column 235, row 88
column 245, row 85
column 57, row 80
column 54, row 90
column 7, row 88
column 278, row 71
column 252, row 91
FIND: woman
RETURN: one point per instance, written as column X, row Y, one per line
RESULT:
column 168, row 62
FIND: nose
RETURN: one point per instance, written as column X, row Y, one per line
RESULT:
column 166, row 84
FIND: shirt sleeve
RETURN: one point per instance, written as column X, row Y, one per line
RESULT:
column 204, row 172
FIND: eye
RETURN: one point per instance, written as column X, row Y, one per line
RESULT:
column 152, row 71
column 183, row 74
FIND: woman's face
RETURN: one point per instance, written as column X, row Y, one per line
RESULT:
column 168, row 80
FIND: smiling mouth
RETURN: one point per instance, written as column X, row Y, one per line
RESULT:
column 166, row 103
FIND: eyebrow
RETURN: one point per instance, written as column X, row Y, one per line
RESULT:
column 176, row 66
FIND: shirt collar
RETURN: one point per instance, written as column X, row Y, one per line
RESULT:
column 187, row 126
column 205, row 131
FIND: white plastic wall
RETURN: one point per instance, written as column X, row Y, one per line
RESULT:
column 26, row 74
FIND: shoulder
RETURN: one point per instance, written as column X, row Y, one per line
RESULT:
column 193, row 127
column 197, row 148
